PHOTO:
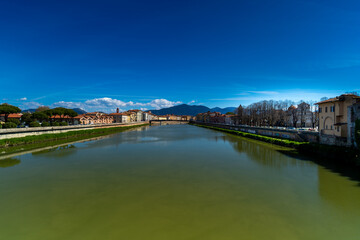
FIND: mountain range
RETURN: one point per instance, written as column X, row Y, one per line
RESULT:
column 192, row 110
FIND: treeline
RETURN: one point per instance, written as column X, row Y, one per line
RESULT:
column 277, row 113
column 42, row 117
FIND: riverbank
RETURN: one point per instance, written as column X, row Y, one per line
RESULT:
column 320, row 151
column 16, row 145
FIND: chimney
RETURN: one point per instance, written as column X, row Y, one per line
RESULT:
column 117, row 110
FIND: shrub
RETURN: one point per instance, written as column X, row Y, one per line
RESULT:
column 14, row 120
column 34, row 124
column 55, row 124
column 45, row 124
column 0, row 126
column 9, row 125
column 64, row 124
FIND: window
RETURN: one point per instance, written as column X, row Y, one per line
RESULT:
column 325, row 109
column 319, row 110
column 332, row 109
column 331, row 127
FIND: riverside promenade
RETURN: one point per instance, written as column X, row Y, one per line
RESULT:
column 23, row 132
column 290, row 134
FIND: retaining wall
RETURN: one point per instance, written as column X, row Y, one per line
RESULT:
column 301, row 136
column 23, row 132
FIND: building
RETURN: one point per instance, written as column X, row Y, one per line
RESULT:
column 63, row 118
column 11, row 116
column 138, row 115
column 120, row 117
column 353, row 115
column 94, row 118
column 334, row 119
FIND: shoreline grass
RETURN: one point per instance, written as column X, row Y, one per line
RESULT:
column 15, row 145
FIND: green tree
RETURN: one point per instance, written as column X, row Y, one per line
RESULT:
column 26, row 118
column 42, row 109
column 230, row 113
column 64, row 124
column 14, row 120
column 40, row 116
column 8, row 109
column 9, row 125
column 45, row 124
column 34, row 124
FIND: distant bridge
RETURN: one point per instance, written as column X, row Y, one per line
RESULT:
column 168, row 122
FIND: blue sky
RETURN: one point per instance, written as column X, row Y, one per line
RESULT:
column 151, row 54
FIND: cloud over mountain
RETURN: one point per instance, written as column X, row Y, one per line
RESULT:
column 107, row 104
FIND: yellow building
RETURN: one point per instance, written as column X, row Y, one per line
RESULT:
column 333, row 115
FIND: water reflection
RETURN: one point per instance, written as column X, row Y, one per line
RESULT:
column 10, row 162
column 263, row 154
column 61, row 151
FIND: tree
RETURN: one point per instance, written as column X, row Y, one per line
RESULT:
column 323, row 99
column 45, row 124
column 34, row 124
column 9, row 125
column 14, row 120
column 40, row 116
column 294, row 115
column 42, row 108
column 314, row 114
column 354, row 93
column 7, row 109
column 26, row 118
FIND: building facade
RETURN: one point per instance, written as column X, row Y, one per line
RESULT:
column 334, row 119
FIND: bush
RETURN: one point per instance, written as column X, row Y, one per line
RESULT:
column 0, row 126
column 45, row 124
column 64, row 124
column 14, row 120
column 34, row 124
column 9, row 125
column 55, row 124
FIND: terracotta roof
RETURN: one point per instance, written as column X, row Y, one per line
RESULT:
column 12, row 115
column 338, row 98
column 58, row 116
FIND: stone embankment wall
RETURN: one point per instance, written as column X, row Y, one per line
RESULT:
column 301, row 136
column 166, row 122
column 23, row 132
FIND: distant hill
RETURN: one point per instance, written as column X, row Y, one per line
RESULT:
column 77, row 110
column 28, row 111
column 192, row 110
column 223, row 110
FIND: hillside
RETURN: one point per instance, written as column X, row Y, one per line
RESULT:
column 192, row 110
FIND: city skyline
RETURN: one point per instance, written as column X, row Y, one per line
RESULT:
column 153, row 55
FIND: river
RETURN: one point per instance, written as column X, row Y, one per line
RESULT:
column 174, row 183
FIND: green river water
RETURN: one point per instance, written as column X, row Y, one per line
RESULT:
column 174, row 183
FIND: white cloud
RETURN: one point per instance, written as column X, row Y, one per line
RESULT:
column 106, row 104
column 30, row 105
column 23, row 99
column 162, row 103
column 191, row 102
